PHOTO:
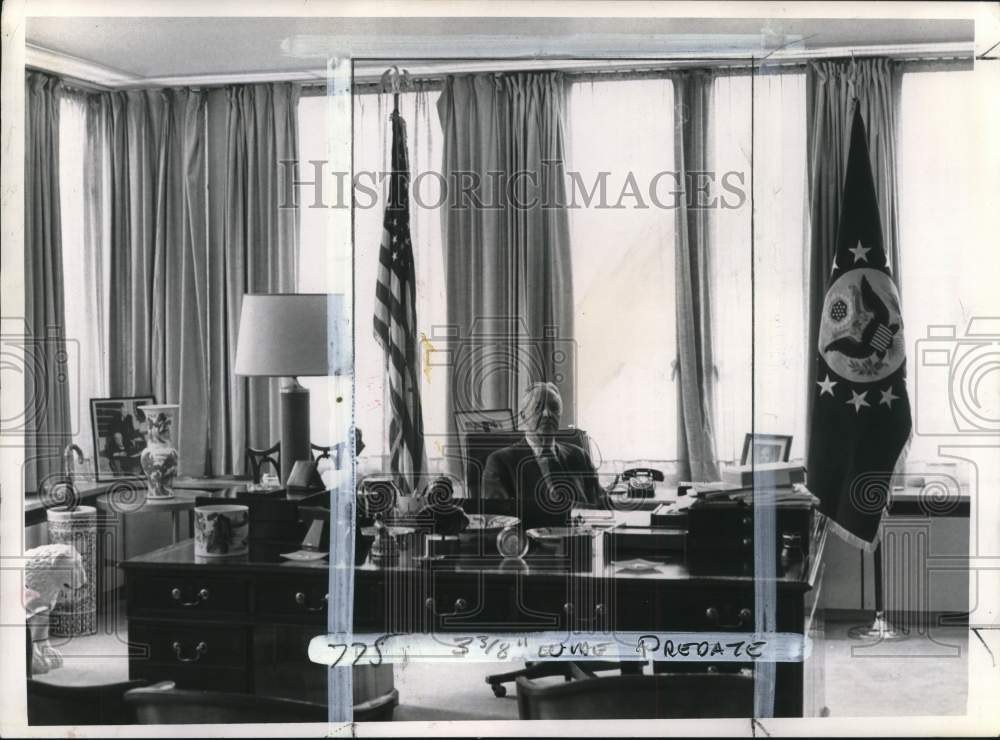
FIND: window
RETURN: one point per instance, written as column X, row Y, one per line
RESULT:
column 623, row 266
column 948, row 163
column 85, row 266
column 776, row 301
column 372, row 141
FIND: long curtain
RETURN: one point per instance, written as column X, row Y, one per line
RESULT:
column 259, row 254
column 46, row 419
column 695, row 364
column 196, row 221
column 831, row 89
column 507, row 255
column 158, row 311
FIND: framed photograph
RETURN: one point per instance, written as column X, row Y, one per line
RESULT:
column 482, row 420
column 119, row 429
column 766, row 448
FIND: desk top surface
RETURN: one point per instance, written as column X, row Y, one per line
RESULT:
column 666, row 567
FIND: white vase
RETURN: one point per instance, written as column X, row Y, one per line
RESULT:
column 159, row 460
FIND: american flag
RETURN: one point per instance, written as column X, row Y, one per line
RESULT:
column 396, row 319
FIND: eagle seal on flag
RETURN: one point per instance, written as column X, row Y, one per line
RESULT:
column 861, row 416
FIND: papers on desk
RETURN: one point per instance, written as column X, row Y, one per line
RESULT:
column 794, row 494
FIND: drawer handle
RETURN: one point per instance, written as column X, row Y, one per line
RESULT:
column 300, row 599
column 569, row 608
column 744, row 616
column 201, row 596
column 461, row 605
column 200, row 649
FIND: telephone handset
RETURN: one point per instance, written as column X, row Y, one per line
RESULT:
column 656, row 475
column 638, row 482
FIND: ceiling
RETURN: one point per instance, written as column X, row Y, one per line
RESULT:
column 146, row 49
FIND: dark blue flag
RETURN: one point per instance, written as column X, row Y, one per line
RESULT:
column 861, row 417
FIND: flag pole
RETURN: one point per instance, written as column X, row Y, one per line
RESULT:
column 880, row 627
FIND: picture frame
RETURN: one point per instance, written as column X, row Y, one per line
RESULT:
column 766, row 448
column 119, row 432
column 482, row 420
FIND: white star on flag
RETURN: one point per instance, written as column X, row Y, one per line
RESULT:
column 860, row 253
column 826, row 386
column 858, row 400
column 887, row 397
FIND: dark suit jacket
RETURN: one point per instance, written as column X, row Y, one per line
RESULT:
column 513, row 473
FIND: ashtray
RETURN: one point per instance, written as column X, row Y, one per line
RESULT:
column 638, row 566
column 304, row 556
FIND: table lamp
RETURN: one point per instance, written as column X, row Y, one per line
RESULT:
column 290, row 335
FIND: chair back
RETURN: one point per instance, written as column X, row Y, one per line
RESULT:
column 664, row 696
column 53, row 704
column 480, row 445
column 258, row 459
column 164, row 704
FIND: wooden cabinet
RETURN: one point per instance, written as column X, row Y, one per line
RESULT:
column 232, row 627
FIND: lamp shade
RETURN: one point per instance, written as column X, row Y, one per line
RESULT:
column 290, row 334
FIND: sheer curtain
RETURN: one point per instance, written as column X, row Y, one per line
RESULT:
column 623, row 267
column 85, row 257
column 949, row 172
column 778, row 295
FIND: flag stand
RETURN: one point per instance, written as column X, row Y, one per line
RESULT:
column 880, row 628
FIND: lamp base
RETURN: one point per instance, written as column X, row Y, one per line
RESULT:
column 295, row 433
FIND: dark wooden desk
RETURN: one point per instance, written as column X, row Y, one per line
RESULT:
column 246, row 625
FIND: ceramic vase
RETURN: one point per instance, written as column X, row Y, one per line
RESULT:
column 160, row 458
column 75, row 612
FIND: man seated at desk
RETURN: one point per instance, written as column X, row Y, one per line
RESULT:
column 539, row 470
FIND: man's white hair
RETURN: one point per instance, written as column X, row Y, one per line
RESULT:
column 534, row 398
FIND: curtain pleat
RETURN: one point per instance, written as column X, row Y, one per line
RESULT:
column 831, row 89
column 158, row 315
column 46, row 419
column 260, row 242
column 695, row 364
column 506, row 243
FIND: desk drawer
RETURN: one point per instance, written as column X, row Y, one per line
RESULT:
column 188, row 593
column 194, row 677
column 299, row 599
column 687, row 609
column 565, row 605
column 451, row 605
column 201, row 645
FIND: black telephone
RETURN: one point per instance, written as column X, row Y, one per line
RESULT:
column 656, row 475
column 637, row 482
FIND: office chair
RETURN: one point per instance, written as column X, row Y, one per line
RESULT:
column 257, row 458
column 164, row 704
column 478, row 447
column 663, row 696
